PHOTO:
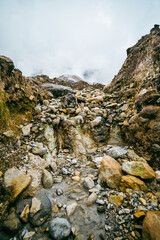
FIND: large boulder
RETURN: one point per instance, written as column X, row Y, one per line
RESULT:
column 6, row 64
column 110, row 172
column 139, row 169
column 57, row 90
column 40, row 209
column 151, row 226
column 15, row 182
column 59, row 228
column 132, row 183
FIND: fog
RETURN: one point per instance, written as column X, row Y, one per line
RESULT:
column 87, row 38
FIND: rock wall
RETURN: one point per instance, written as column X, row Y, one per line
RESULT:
column 138, row 83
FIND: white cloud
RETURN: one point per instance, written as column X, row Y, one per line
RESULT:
column 72, row 37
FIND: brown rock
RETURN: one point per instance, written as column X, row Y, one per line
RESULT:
column 15, row 182
column 116, row 199
column 139, row 169
column 151, row 226
column 133, row 183
column 110, row 172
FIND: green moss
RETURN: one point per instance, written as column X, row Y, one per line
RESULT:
column 4, row 111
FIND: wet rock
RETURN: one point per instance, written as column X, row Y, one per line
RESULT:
column 110, row 172
column 26, row 130
column 15, row 182
column 59, row 228
column 151, row 226
column 117, row 152
column 139, row 169
column 12, row 223
column 47, row 179
column 91, row 199
column 71, row 208
column 133, row 183
column 40, row 209
column 88, row 183
column 39, row 151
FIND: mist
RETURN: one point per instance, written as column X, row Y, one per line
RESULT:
column 87, row 38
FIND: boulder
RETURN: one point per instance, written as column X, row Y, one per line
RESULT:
column 40, row 209
column 15, row 182
column 139, row 169
column 59, row 228
column 47, row 179
column 151, row 226
column 57, row 90
column 110, row 172
column 39, row 151
column 117, row 152
column 132, row 182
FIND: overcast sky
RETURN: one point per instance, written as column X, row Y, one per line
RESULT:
column 56, row 37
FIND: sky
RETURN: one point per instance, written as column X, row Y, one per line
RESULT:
column 87, row 38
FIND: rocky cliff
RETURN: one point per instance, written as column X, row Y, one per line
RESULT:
column 138, row 83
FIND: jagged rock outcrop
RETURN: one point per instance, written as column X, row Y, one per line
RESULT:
column 18, row 94
column 141, row 68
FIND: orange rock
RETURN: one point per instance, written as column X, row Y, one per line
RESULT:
column 110, row 172
column 139, row 214
column 151, row 226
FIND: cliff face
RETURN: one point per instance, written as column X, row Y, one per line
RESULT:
column 141, row 68
column 138, row 83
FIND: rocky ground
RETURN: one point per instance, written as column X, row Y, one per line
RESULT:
column 80, row 163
